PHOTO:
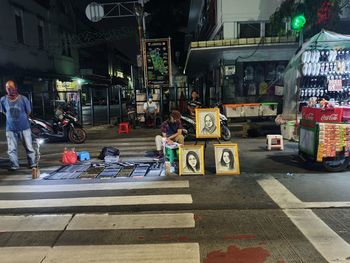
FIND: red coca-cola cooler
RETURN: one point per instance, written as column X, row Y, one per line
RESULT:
column 310, row 148
column 323, row 115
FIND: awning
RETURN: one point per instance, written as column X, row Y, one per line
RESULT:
column 199, row 59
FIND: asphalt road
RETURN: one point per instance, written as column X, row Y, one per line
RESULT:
column 262, row 215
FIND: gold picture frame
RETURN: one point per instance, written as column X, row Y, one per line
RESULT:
column 207, row 116
column 226, row 159
column 188, row 155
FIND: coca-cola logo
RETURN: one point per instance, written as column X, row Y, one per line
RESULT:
column 309, row 116
column 331, row 117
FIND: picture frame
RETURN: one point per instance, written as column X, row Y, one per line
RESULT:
column 191, row 160
column 208, row 123
column 226, row 159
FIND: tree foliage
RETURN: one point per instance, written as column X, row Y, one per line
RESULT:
column 319, row 14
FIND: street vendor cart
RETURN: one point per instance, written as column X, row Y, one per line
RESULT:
column 325, row 137
column 317, row 97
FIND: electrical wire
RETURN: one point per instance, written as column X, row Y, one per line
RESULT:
column 252, row 54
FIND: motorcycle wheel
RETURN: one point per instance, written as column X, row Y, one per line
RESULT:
column 225, row 133
column 36, row 131
column 77, row 135
column 336, row 165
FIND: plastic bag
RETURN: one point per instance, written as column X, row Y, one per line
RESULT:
column 69, row 156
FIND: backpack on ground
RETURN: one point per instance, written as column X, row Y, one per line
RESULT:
column 108, row 151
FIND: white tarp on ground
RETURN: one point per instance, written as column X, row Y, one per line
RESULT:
column 323, row 40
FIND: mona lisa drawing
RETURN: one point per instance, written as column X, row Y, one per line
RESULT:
column 226, row 159
column 191, row 160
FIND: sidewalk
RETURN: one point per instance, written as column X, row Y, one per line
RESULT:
column 254, row 158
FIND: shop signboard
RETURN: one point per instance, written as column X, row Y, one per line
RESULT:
column 157, row 58
column 335, row 85
column 67, row 85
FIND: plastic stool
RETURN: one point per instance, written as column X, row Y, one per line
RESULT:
column 83, row 156
column 124, row 128
column 274, row 141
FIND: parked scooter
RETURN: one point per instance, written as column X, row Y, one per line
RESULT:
column 64, row 126
column 189, row 126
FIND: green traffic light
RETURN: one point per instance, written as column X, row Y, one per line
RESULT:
column 298, row 22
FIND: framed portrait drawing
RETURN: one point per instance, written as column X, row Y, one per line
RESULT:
column 191, row 160
column 226, row 159
column 208, row 123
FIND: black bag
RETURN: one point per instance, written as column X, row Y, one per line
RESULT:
column 108, row 151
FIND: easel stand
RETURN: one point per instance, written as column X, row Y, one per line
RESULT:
column 206, row 141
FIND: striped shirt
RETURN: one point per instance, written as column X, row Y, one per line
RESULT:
column 194, row 104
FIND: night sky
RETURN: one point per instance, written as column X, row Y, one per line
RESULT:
column 167, row 18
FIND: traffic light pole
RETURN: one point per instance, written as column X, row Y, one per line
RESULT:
column 301, row 37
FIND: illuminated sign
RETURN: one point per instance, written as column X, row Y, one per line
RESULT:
column 67, row 85
column 157, row 58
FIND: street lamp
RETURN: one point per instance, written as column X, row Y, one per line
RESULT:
column 139, row 12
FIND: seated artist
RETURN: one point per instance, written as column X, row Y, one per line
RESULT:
column 150, row 109
column 171, row 132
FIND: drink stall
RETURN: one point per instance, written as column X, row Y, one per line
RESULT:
column 317, row 96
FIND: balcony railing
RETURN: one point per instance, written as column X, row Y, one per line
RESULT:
column 243, row 41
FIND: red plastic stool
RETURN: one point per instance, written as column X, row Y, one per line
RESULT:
column 124, row 128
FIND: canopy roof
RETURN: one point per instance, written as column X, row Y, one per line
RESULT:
column 323, row 40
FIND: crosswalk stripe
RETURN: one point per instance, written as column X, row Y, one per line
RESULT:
column 34, row 223
column 17, row 177
column 23, row 177
column 327, row 242
column 121, row 144
column 148, row 253
column 280, row 194
column 142, row 221
column 92, row 187
column 127, row 140
column 330, row 245
column 98, row 201
column 60, row 222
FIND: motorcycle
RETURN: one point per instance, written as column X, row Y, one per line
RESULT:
column 66, row 127
column 189, row 126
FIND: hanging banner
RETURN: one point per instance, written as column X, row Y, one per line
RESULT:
column 157, row 62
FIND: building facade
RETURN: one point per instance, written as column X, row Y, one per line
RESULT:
column 233, row 55
column 36, row 50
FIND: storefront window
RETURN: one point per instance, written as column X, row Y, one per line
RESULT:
column 249, row 30
column 269, row 30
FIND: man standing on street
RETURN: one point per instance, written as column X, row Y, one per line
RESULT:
column 16, row 107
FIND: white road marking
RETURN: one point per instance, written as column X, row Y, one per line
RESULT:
column 92, row 187
column 330, row 245
column 34, row 223
column 280, row 194
column 325, row 204
column 98, row 201
column 138, row 221
column 17, row 177
column 26, row 175
column 148, row 253
column 59, row 222
column 327, row 242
